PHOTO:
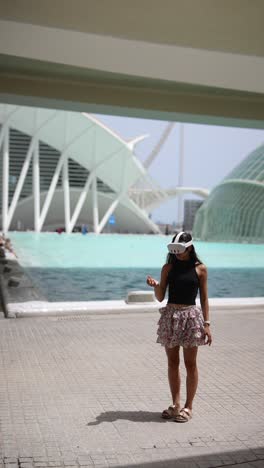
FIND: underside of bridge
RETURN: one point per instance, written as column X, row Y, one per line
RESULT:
column 193, row 61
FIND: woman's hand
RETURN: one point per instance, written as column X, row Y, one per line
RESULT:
column 208, row 335
column 152, row 282
column 160, row 287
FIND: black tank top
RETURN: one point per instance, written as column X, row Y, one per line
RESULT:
column 183, row 283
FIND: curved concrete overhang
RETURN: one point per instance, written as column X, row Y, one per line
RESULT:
column 197, row 64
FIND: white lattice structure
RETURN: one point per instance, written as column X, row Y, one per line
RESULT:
column 65, row 169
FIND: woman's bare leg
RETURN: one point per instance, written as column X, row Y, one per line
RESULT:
column 173, row 355
column 190, row 355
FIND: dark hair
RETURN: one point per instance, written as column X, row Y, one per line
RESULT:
column 185, row 237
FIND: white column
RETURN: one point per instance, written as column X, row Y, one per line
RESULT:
column 51, row 190
column 66, row 192
column 81, row 201
column 95, row 205
column 21, row 180
column 108, row 213
column 115, row 203
column 5, row 180
column 24, row 171
column 36, row 187
column 2, row 133
column 64, row 155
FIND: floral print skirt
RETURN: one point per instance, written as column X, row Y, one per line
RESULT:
column 181, row 326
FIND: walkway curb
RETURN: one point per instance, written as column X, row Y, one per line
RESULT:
column 44, row 308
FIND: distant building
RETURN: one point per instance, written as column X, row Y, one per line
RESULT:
column 166, row 228
column 190, row 209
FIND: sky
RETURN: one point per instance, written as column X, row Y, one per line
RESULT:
column 210, row 154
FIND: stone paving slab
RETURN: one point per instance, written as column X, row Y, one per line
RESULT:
column 88, row 391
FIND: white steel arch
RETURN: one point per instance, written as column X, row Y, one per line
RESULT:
column 73, row 140
column 81, row 137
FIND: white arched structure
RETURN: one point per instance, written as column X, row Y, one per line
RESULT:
column 62, row 169
column 148, row 199
column 70, row 142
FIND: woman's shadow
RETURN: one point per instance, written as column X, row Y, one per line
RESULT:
column 135, row 416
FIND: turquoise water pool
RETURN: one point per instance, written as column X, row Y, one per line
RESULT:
column 123, row 251
column 91, row 267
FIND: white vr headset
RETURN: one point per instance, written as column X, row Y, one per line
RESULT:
column 177, row 247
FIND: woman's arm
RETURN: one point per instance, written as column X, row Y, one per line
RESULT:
column 160, row 287
column 202, row 274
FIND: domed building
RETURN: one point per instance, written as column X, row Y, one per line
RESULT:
column 234, row 210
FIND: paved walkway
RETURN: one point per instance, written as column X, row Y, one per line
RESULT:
column 88, row 391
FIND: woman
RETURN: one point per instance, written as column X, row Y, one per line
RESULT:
column 182, row 323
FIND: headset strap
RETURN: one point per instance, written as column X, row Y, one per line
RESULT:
column 178, row 236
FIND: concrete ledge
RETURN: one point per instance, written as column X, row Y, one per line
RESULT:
column 44, row 308
column 140, row 296
column 237, row 304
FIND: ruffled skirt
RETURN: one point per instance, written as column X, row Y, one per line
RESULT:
column 181, row 326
